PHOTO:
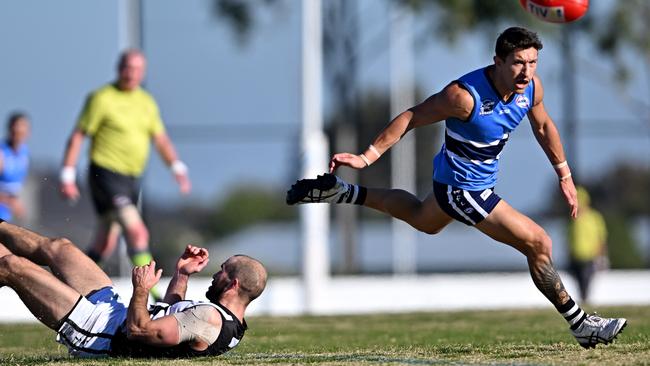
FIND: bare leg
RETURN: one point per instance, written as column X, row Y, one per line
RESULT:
column 507, row 225
column 65, row 260
column 47, row 298
column 4, row 251
column 135, row 231
column 106, row 238
column 426, row 216
column 137, row 239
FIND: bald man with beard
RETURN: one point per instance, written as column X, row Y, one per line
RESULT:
column 78, row 300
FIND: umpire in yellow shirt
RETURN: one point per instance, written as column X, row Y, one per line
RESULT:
column 121, row 119
column 587, row 239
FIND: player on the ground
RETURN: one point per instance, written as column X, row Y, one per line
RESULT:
column 480, row 110
column 79, row 302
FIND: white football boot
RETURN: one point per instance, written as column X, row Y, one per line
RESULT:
column 595, row 329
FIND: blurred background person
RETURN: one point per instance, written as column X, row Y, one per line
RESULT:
column 587, row 238
column 14, row 165
column 121, row 119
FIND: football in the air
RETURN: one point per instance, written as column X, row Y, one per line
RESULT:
column 556, row 11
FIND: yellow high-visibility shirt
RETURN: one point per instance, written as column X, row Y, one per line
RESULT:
column 587, row 235
column 121, row 125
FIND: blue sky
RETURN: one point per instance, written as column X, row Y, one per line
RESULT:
column 206, row 83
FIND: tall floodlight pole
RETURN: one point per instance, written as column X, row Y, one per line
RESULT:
column 130, row 24
column 129, row 36
column 402, row 96
column 314, row 219
column 569, row 98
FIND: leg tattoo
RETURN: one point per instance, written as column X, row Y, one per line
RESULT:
column 549, row 283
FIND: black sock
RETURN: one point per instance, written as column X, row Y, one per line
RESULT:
column 572, row 313
column 361, row 196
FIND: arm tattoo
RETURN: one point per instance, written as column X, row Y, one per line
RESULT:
column 549, row 283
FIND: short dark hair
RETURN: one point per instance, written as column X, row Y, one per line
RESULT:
column 516, row 38
column 14, row 118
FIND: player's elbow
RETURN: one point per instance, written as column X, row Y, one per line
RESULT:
column 544, row 128
column 162, row 141
column 135, row 333
column 540, row 132
column 76, row 138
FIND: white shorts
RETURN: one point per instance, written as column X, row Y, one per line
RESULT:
column 89, row 328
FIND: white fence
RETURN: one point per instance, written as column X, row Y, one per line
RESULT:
column 363, row 294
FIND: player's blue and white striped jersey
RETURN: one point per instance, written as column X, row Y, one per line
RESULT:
column 469, row 158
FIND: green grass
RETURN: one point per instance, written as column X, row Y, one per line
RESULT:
column 517, row 337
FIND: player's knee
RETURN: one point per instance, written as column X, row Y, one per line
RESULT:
column 55, row 246
column 424, row 222
column 138, row 236
column 541, row 244
column 431, row 230
column 11, row 263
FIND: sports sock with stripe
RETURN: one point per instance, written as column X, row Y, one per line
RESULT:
column 354, row 194
column 361, row 194
column 572, row 313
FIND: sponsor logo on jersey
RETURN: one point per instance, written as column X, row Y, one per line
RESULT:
column 487, row 107
column 522, row 101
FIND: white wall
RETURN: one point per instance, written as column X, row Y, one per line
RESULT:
column 358, row 295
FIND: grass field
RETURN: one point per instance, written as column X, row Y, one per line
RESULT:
column 517, row 337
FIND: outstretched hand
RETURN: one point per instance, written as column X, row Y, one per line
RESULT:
column 570, row 195
column 346, row 159
column 146, row 276
column 193, row 260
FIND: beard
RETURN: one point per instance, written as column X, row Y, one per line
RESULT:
column 214, row 292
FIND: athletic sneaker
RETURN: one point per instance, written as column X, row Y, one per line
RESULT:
column 595, row 329
column 325, row 188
